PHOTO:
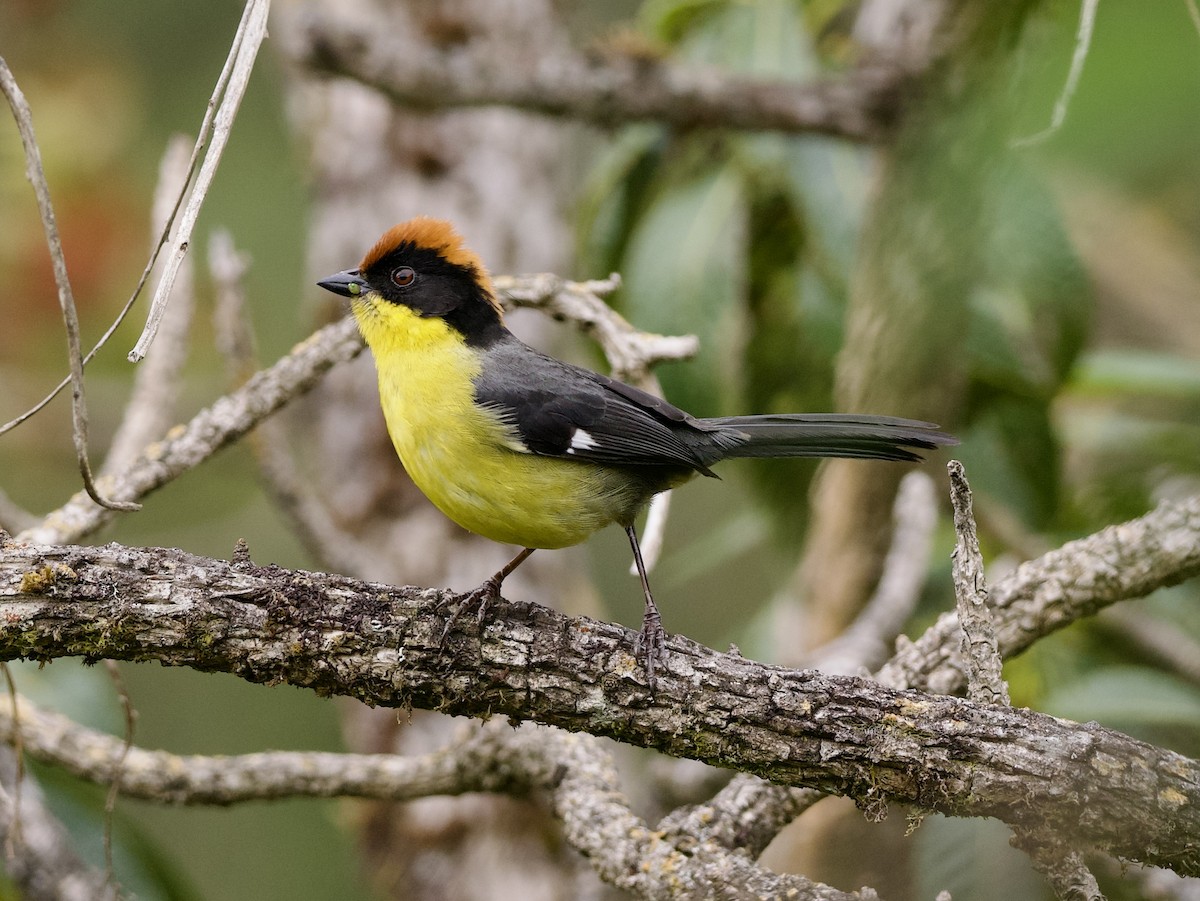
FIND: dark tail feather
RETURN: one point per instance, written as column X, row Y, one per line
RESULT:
column 826, row 435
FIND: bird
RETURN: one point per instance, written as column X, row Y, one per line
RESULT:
column 528, row 450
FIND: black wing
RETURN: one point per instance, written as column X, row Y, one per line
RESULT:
column 561, row 410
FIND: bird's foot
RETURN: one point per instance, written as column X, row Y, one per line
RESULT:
column 652, row 645
column 480, row 599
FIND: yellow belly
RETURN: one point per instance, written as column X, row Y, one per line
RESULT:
column 463, row 458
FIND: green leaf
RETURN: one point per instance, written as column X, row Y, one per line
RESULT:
column 767, row 39
column 1137, row 700
column 684, row 271
column 973, row 860
column 1125, row 371
column 1012, row 454
column 616, row 193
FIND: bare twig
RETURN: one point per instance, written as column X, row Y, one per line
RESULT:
column 156, row 385
column 654, row 532
column 227, row 419
column 66, row 299
column 1083, row 41
column 251, row 31
column 606, row 91
column 630, row 353
column 985, row 682
column 161, row 242
column 1118, row 563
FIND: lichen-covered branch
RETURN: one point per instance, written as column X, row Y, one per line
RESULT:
column 382, row 645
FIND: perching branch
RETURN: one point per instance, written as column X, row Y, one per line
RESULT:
column 606, row 91
column 382, row 645
column 1119, row 563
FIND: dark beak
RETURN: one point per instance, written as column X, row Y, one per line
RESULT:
column 348, row 283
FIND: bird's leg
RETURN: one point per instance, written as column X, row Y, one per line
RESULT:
column 651, row 644
column 486, row 594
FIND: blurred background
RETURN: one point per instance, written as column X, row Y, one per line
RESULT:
column 1056, row 329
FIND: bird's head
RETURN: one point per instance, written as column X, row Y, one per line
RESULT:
column 420, row 269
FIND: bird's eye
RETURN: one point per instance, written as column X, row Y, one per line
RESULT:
column 403, row 276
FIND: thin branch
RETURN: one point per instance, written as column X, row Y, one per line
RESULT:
column 631, row 353
column 66, row 299
column 249, row 37
column 13, row 836
column 1083, row 42
column 604, row 90
column 211, row 429
column 1118, row 563
column 985, row 682
column 202, row 137
column 575, row 774
column 1094, row 786
column 1194, row 13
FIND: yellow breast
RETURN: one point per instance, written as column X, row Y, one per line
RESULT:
column 464, row 459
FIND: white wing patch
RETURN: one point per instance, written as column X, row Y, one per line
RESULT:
column 581, row 441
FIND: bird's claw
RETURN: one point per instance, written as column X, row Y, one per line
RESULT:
column 480, row 598
column 651, row 645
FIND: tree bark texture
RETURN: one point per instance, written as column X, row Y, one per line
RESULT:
column 382, row 645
